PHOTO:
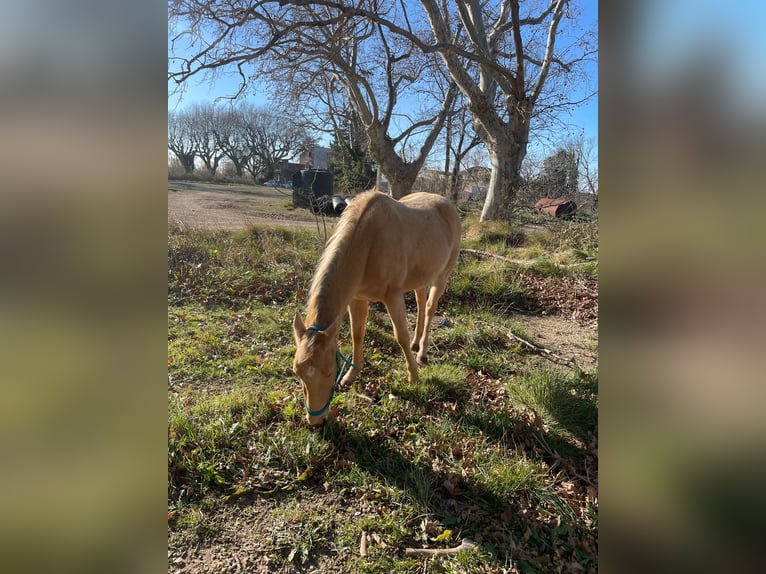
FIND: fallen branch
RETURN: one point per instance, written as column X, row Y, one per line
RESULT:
column 547, row 353
column 466, row 544
column 363, row 544
column 495, row 255
column 367, row 398
column 525, row 262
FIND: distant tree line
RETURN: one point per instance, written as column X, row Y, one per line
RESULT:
column 253, row 140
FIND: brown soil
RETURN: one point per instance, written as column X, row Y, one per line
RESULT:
column 565, row 338
column 232, row 207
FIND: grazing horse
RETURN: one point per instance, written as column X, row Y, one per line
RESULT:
column 380, row 249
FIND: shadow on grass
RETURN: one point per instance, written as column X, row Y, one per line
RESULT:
column 483, row 510
column 478, row 512
column 567, row 402
column 430, row 389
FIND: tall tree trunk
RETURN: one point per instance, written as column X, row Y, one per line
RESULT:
column 453, row 192
column 401, row 175
column 187, row 160
column 402, row 178
column 505, row 180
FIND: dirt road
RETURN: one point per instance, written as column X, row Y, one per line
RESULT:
column 232, row 207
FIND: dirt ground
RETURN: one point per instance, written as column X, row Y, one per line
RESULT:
column 236, row 207
column 232, row 207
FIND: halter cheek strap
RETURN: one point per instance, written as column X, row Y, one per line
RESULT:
column 341, row 363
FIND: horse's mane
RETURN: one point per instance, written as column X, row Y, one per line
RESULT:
column 340, row 242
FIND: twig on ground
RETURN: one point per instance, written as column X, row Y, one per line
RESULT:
column 367, row 398
column 526, row 262
column 363, row 544
column 495, row 255
column 547, row 353
column 466, row 544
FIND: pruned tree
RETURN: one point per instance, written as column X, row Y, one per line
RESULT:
column 270, row 138
column 229, row 133
column 203, row 119
column 180, row 140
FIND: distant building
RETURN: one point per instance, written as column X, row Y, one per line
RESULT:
column 317, row 158
column 473, row 192
column 474, row 182
column 287, row 170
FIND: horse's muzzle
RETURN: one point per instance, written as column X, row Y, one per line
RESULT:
column 316, row 421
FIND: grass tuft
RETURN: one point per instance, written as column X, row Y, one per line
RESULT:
column 567, row 401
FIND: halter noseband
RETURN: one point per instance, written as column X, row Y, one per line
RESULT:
column 346, row 362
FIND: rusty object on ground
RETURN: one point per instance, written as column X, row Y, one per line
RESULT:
column 556, row 207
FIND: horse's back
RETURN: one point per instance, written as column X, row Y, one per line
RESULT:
column 420, row 213
column 405, row 244
column 425, row 206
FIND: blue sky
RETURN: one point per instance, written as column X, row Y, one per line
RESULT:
column 584, row 117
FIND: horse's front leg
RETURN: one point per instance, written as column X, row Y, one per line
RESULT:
column 357, row 312
column 398, row 313
column 420, row 298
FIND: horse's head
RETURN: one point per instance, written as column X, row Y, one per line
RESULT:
column 316, row 366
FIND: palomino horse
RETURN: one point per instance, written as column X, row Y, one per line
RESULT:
column 380, row 249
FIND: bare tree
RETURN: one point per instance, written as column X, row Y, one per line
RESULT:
column 229, row 133
column 271, row 138
column 180, row 140
column 588, row 164
column 460, row 140
column 319, row 47
column 508, row 65
column 203, row 120
column 502, row 69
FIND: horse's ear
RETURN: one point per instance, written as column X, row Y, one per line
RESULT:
column 299, row 328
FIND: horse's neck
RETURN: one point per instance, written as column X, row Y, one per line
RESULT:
column 334, row 290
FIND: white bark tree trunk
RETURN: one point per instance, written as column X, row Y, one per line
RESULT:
column 506, row 154
column 503, row 183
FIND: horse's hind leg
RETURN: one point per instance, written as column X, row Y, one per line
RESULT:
column 435, row 293
column 398, row 313
column 357, row 313
column 420, row 298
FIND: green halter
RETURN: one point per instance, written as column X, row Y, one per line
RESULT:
column 339, row 357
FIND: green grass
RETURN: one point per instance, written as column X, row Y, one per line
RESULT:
column 551, row 248
column 460, row 450
column 566, row 400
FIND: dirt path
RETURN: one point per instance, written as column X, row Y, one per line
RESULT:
column 232, row 207
column 566, row 338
